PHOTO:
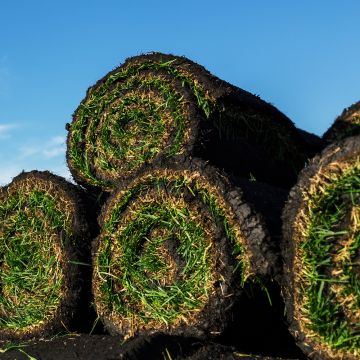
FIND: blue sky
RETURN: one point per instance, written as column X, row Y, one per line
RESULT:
column 302, row 56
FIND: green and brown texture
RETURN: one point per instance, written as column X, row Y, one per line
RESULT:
column 321, row 251
column 345, row 125
column 44, row 238
column 155, row 108
column 177, row 245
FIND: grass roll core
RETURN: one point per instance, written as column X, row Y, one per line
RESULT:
column 322, row 253
column 172, row 255
column 42, row 231
column 156, row 107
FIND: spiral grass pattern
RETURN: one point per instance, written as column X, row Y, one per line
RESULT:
column 345, row 125
column 156, row 107
column 322, row 233
column 171, row 255
column 42, row 234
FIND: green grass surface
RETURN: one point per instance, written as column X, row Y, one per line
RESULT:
column 333, row 242
column 31, row 276
column 139, row 280
column 146, row 120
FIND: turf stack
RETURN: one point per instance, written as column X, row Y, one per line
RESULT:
column 177, row 246
column 156, row 107
column 43, row 236
column 347, row 124
column 321, row 251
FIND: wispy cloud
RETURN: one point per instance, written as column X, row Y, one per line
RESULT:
column 5, row 130
column 52, row 148
column 55, row 147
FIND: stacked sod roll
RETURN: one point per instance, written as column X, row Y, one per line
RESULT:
column 177, row 245
column 178, row 241
column 44, row 236
column 321, row 251
column 156, row 107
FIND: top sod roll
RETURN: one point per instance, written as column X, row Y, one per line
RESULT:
column 321, row 252
column 156, row 107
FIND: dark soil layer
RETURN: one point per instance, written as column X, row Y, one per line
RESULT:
column 48, row 209
column 77, row 347
column 260, row 327
column 236, row 235
column 327, row 189
column 345, row 125
column 101, row 347
column 156, row 107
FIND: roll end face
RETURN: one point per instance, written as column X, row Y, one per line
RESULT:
column 318, row 271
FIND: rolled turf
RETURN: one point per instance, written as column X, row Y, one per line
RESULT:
column 176, row 247
column 156, row 107
column 44, row 237
column 347, row 124
column 321, row 251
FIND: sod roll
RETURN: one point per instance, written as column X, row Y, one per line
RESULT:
column 321, row 252
column 176, row 247
column 44, row 235
column 347, row 124
column 156, row 107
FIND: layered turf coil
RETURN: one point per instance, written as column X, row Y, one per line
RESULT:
column 321, row 251
column 345, row 125
column 44, row 236
column 176, row 247
column 156, row 107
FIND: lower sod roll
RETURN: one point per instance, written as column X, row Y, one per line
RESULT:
column 44, row 235
column 176, row 246
column 321, row 252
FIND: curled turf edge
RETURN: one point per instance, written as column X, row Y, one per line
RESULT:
column 321, row 252
column 155, row 107
column 44, row 239
column 345, row 125
column 175, row 250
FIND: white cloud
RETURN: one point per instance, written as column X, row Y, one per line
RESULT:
column 28, row 151
column 54, row 147
column 53, row 152
column 57, row 140
column 5, row 130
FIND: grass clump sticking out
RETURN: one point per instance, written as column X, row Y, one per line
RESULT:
column 331, row 259
column 160, row 262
